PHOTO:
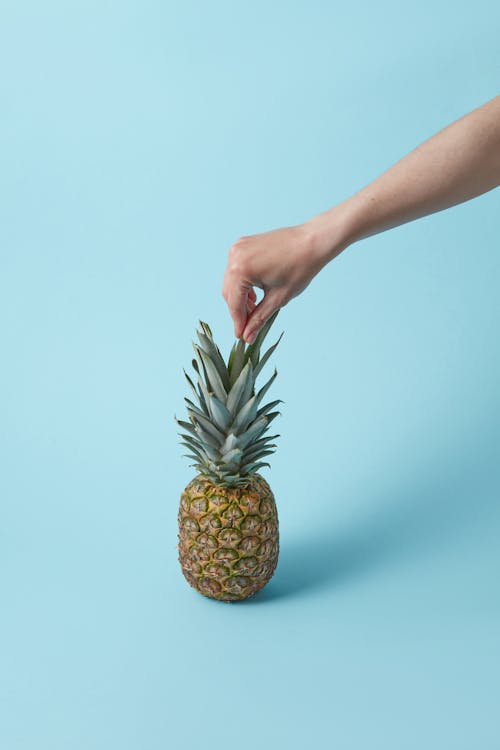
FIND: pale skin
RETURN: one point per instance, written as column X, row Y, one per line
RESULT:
column 458, row 163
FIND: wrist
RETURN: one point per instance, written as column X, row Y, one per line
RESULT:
column 332, row 231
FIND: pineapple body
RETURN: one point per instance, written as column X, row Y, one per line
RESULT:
column 228, row 537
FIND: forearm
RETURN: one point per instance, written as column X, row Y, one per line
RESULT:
column 456, row 164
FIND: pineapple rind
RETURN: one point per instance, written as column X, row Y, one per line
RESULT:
column 228, row 537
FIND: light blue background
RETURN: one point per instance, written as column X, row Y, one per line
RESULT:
column 138, row 140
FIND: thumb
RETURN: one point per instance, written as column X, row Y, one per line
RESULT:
column 268, row 304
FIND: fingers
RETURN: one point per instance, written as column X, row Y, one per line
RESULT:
column 237, row 288
column 240, row 306
column 270, row 302
column 250, row 304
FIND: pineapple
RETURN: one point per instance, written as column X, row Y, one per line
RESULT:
column 228, row 522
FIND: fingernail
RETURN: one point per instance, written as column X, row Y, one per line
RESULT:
column 251, row 337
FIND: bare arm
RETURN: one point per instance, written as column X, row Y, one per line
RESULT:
column 456, row 164
column 460, row 162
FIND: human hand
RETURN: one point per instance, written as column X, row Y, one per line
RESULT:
column 281, row 262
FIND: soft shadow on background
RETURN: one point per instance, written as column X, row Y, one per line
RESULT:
column 444, row 496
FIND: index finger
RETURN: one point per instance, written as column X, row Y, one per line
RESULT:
column 237, row 299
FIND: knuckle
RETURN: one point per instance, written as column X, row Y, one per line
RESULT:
column 237, row 260
column 233, row 251
column 237, row 266
column 236, row 247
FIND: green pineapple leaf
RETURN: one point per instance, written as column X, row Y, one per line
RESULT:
column 246, row 414
column 267, row 407
column 227, row 432
column 209, row 427
column 213, row 353
column 266, row 386
column 253, row 351
column 212, row 378
column 236, row 361
column 266, row 356
column 242, row 385
column 219, row 413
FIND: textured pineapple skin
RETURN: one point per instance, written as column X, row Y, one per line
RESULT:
column 228, row 537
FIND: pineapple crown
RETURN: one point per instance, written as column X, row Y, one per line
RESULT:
column 226, row 435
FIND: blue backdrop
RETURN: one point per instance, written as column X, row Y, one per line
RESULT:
column 138, row 140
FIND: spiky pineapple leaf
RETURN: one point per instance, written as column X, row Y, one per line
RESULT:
column 248, row 390
column 231, row 359
column 227, row 432
column 257, row 456
column 252, row 468
column 192, row 386
column 206, row 329
column 245, row 415
column 193, row 456
column 202, row 395
column 211, row 452
column 219, row 413
column 212, row 351
column 268, row 407
column 254, row 431
column 232, row 456
column 210, row 428
column 206, row 437
column 191, row 407
column 253, row 351
column 241, row 386
column 263, row 360
column 212, row 378
column 236, row 361
column 192, row 440
column 272, row 415
column 261, row 444
column 188, row 426
column 266, row 386
column 191, row 447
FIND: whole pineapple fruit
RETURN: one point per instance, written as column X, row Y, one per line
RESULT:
column 228, row 522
